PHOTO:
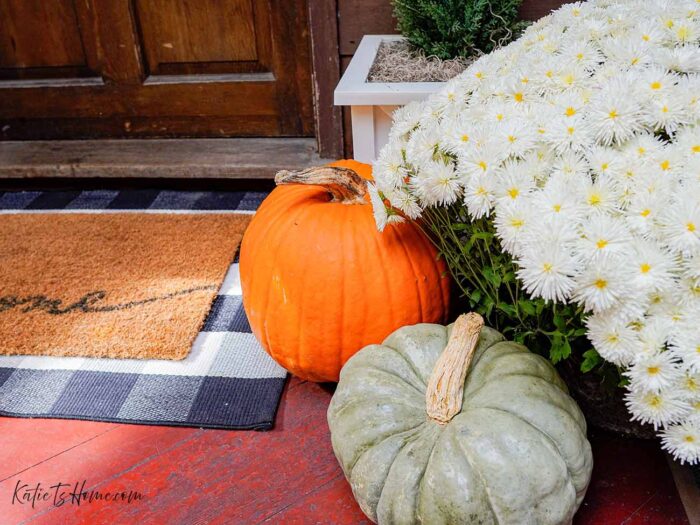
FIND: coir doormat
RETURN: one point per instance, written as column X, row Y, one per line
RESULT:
column 111, row 285
column 226, row 381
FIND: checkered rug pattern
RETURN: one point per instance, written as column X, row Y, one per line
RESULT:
column 227, row 381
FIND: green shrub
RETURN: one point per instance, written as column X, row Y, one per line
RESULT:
column 451, row 28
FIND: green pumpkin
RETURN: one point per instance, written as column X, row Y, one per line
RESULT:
column 436, row 433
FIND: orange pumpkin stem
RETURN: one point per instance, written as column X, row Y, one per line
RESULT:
column 343, row 184
column 445, row 390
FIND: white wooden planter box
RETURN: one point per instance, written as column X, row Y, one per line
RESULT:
column 372, row 103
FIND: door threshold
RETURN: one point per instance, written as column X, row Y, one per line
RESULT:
column 236, row 158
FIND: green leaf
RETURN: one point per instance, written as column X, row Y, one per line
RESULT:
column 591, row 359
column 507, row 309
column 559, row 322
column 475, row 296
column 527, row 307
column 560, row 348
column 491, row 276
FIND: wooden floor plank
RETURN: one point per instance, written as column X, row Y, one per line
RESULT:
column 174, row 158
column 106, row 457
column 25, row 443
column 631, row 484
column 289, row 475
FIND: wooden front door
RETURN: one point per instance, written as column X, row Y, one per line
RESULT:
column 154, row 68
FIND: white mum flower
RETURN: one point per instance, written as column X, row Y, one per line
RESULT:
column 437, row 185
column 667, row 112
column 515, row 137
column 657, row 408
column 510, row 222
column 655, row 372
column 602, row 284
column 651, row 266
column 381, row 215
column 603, row 236
column 513, row 182
column 683, row 441
column 480, row 160
column 614, row 116
column 615, row 340
column 681, row 225
column 601, row 197
column 548, row 272
column 687, row 347
column 570, row 134
column 390, row 166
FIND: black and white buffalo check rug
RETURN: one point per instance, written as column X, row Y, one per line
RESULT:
column 227, row 381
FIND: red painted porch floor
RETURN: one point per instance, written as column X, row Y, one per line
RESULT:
column 287, row 475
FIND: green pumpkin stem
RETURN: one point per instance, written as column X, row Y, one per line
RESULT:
column 443, row 397
column 343, row 184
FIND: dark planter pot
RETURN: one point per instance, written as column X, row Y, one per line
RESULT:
column 603, row 409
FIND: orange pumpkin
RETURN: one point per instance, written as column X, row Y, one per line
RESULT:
column 320, row 282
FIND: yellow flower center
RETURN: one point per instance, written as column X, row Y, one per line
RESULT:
column 634, row 61
column 570, row 112
column 482, row 164
column 612, row 114
column 481, row 191
column 664, row 109
column 464, row 138
column 513, row 192
column 557, row 208
column 613, row 338
column 655, row 85
column 549, row 74
column 646, row 38
column 604, row 166
column 696, row 148
column 518, row 97
column 594, row 200
column 547, row 268
column 645, row 213
column 683, row 33
column 653, row 370
column 601, row 283
column 450, row 96
column 645, row 267
column 499, row 116
column 579, row 56
column 511, row 138
column 602, row 243
column 641, row 150
column 517, row 223
column 570, row 130
column 654, row 401
column 479, row 75
column 690, row 226
column 665, row 165
column 689, row 439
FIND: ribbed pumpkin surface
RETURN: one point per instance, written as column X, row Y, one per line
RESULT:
column 320, row 282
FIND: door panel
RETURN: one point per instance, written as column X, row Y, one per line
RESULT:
column 197, row 31
column 140, row 68
column 39, row 34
